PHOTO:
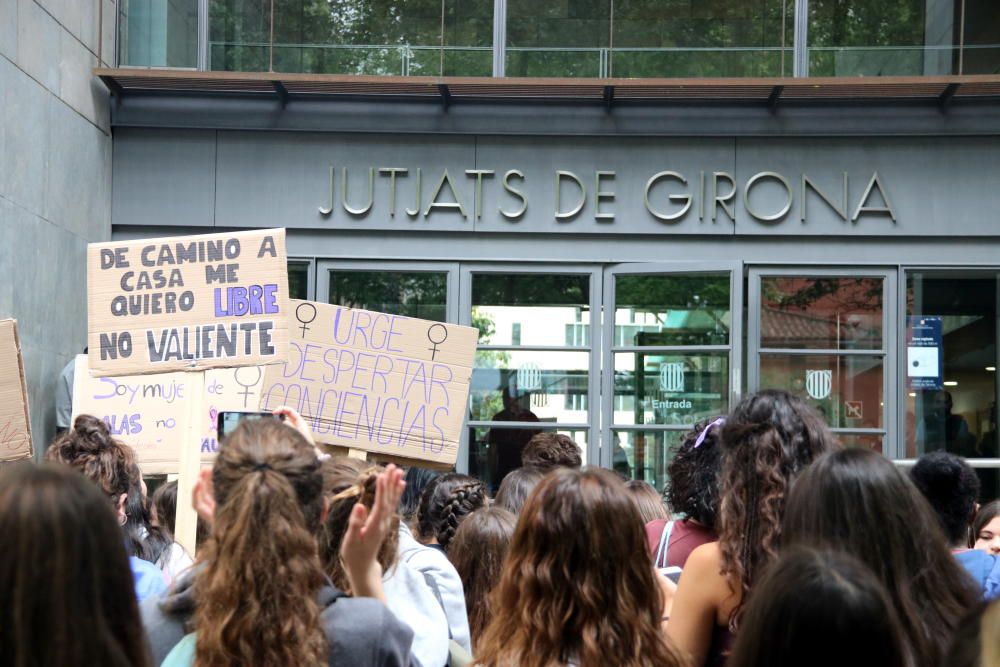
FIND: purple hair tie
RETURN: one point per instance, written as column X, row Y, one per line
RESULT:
column 704, row 432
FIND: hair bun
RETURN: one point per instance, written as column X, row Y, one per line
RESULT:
column 93, row 434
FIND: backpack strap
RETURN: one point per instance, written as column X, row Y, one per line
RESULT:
column 661, row 551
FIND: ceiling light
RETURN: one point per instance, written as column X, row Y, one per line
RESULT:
column 951, row 383
column 913, row 394
column 991, row 369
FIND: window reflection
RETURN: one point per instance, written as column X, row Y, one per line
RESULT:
column 672, row 309
column 671, row 389
column 821, row 313
column 413, row 294
column 485, row 446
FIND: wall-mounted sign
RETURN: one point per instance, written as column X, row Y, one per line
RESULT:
column 672, row 377
column 923, row 352
column 187, row 303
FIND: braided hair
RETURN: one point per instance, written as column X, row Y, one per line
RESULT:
column 445, row 502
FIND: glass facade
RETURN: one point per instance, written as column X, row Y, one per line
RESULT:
column 572, row 38
column 668, row 353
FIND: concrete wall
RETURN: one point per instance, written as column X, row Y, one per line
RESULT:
column 55, row 179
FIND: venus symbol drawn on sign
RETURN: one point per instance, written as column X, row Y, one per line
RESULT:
column 304, row 322
column 443, row 335
column 246, row 393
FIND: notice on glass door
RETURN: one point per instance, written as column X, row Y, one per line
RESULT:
column 923, row 353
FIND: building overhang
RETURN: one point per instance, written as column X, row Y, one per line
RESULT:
column 679, row 107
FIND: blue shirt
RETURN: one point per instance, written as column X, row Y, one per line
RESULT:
column 985, row 570
column 148, row 578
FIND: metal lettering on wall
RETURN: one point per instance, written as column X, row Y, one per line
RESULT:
column 669, row 197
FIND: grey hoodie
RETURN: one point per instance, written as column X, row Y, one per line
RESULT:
column 361, row 632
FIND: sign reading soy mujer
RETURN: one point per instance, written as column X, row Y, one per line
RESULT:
column 391, row 385
column 187, row 303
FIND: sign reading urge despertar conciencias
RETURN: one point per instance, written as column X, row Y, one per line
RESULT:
column 187, row 303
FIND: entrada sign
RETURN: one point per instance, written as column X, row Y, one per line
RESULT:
column 669, row 196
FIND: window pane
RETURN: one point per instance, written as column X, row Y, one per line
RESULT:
column 557, row 38
column 981, row 54
column 422, row 295
column 298, row 280
column 513, row 385
column 239, row 35
column 154, row 33
column 415, row 37
column 644, row 455
column 959, row 414
column 847, row 390
column 884, row 37
column 672, row 309
column 670, row 388
column 821, row 313
column 653, row 38
column 541, row 309
column 495, row 452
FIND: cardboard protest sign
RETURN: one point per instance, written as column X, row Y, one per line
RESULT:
column 392, row 385
column 158, row 414
column 187, row 303
column 15, row 427
column 147, row 412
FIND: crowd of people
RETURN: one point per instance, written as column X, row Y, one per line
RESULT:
column 772, row 545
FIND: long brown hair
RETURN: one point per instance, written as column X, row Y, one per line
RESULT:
column 577, row 583
column 346, row 482
column 767, row 440
column 857, row 501
column 647, row 500
column 478, row 552
column 68, row 596
column 256, row 596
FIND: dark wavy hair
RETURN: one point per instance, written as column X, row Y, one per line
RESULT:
column 694, row 475
column 516, row 486
column 547, row 450
column 822, row 609
column 416, row 480
column 577, row 582
column 769, row 438
column 478, row 552
column 89, row 448
column 346, row 482
column 647, row 500
column 446, row 501
column 257, row 594
column 857, row 501
column 68, row 594
column 951, row 486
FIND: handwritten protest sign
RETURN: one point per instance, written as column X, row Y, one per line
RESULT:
column 158, row 414
column 387, row 384
column 187, row 303
column 15, row 427
column 146, row 412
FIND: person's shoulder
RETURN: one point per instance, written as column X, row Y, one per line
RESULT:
column 358, row 627
column 705, row 557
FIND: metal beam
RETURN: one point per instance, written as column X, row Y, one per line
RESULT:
column 772, row 99
column 281, row 91
column 609, row 96
column 949, row 93
column 800, row 59
column 445, row 95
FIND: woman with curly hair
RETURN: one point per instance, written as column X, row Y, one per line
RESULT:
column 576, row 586
column 260, row 597
column 693, row 493
column 446, row 501
column 769, row 438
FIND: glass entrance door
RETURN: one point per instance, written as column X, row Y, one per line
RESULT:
column 672, row 341
column 824, row 334
column 536, row 363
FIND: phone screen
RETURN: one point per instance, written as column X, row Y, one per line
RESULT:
column 228, row 421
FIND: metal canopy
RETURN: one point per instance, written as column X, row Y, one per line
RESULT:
column 447, row 91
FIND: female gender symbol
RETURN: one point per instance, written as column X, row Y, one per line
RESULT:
column 305, row 322
column 246, row 387
column 443, row 335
